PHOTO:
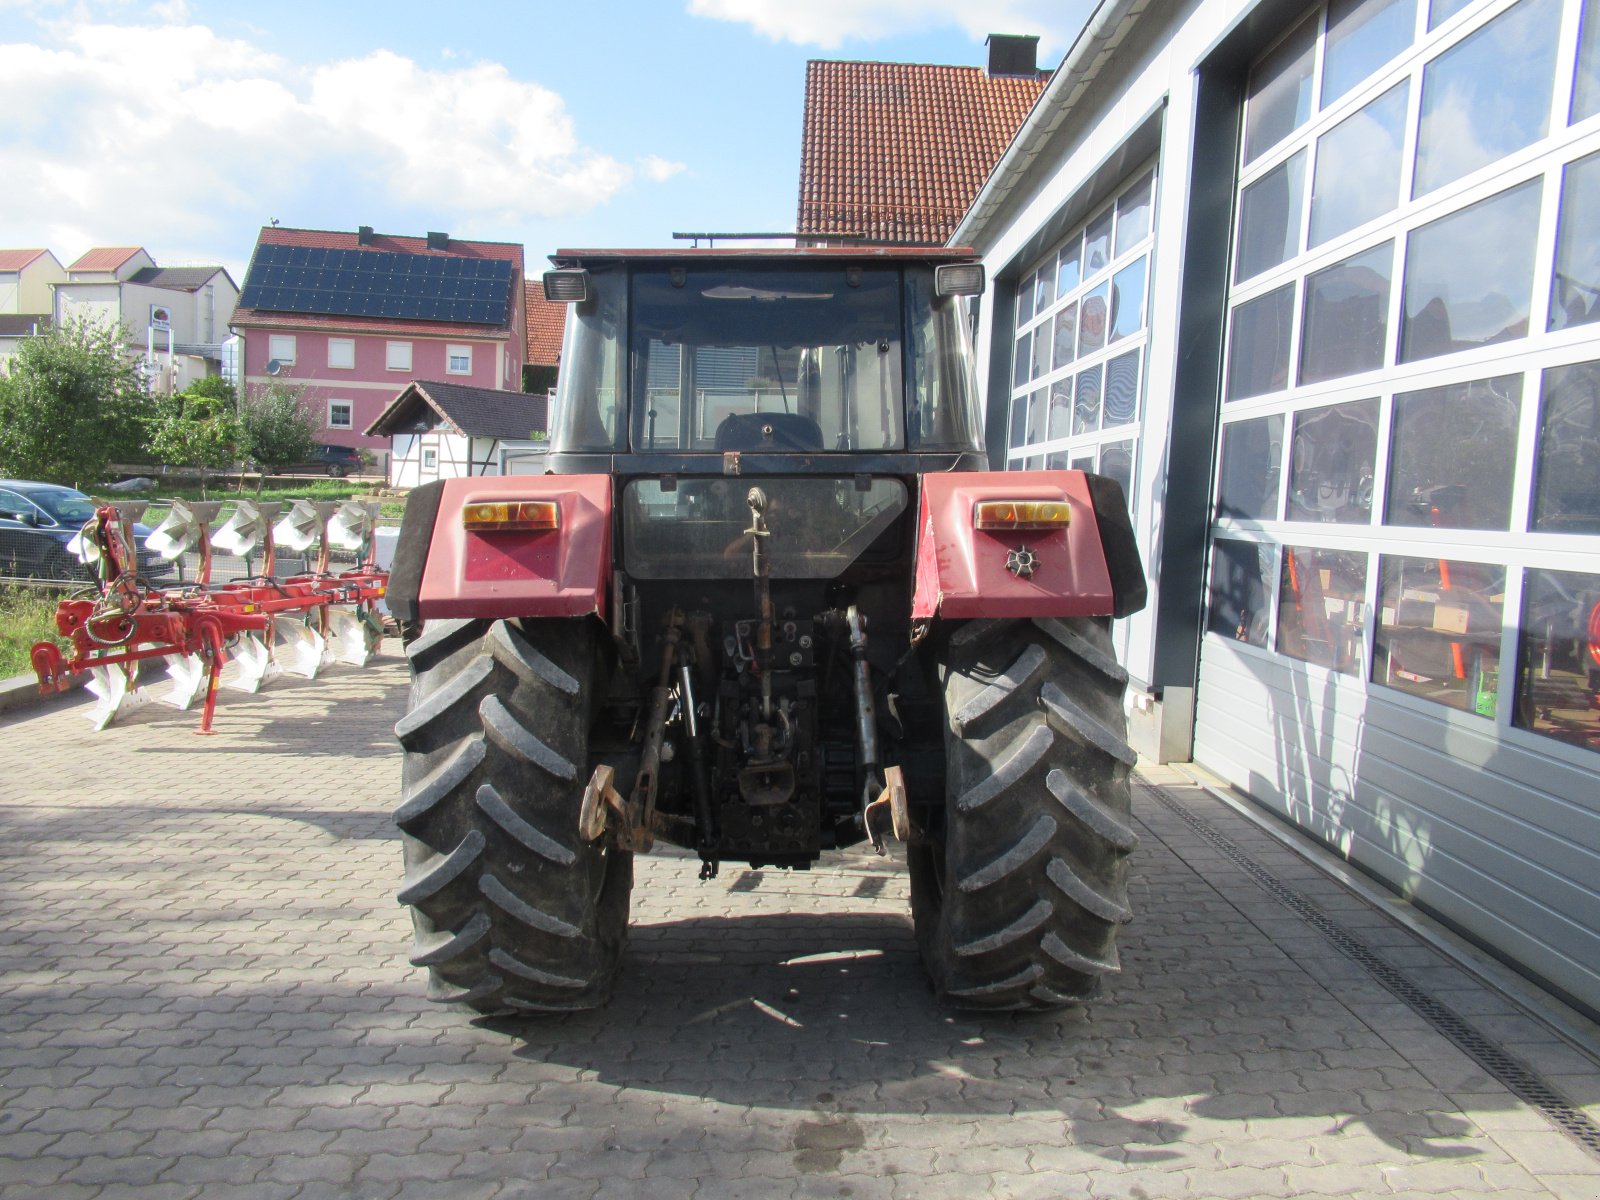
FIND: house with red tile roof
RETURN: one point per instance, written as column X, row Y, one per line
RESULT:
column 895, row 152
column 353, row 317
column 27, row 280
column 176, row 318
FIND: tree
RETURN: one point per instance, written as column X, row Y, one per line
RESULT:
column 72, row 405
column 278, row 431
column 197, row 428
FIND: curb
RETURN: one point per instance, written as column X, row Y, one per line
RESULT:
column 21, row 692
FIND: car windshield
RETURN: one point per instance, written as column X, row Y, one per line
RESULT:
column 63, row 505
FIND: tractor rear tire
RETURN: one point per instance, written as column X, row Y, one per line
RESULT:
column 1017, row 899
column 513, row 911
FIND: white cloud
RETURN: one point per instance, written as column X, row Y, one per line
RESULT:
column 659, row 170
column 170, row 135
column 828, row 24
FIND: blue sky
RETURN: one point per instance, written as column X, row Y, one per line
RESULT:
column 185, row 125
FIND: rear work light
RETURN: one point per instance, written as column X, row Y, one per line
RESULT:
column 1004, row 515
column 492, row 516
column 958, row 279
column 566, row 286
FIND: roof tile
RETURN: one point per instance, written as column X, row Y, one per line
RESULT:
column 895, row 152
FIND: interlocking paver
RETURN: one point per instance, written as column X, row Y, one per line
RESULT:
column 204, row 992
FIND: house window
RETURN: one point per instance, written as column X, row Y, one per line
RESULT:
column 430, row 460
column 338, row 414
column 1081, row 328
column 342, row 354
column 397, row 356
column 280, row 346
column 458, row 360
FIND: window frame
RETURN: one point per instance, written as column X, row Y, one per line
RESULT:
column 391, row 350
column 343, row 343
column 451, row 353
column 350, row 413
column 275, row 342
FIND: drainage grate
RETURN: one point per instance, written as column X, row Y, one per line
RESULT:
column 1516, row 1075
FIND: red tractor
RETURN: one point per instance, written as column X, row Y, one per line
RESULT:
column 767, row 602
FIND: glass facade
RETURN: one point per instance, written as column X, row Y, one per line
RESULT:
column 1408, row 466
column 1081, row 328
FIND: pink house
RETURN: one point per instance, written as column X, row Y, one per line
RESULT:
column 352, row 318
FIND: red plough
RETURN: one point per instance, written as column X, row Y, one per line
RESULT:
column 306, row 620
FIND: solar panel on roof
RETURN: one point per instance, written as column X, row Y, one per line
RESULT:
column 352, row 283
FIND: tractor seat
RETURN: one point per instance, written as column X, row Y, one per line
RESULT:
column 768, row 431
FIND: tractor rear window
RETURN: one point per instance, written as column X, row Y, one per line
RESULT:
column 798, row 360
column 817, row 527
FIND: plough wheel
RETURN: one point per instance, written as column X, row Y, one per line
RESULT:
column 1017, row 898
column 512, row 910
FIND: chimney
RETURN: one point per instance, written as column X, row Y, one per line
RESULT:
column 438, row 241
column 364, row 235
column 1013, row 54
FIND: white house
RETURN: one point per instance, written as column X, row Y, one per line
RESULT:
column 449, row 430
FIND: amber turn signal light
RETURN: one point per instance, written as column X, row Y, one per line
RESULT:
column 1004, row 515
column 489, row 517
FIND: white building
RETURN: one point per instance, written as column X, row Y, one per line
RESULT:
column 1319, row 283
column 176, row 317
column 449, row 431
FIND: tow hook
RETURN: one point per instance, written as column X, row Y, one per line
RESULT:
column 890, row 814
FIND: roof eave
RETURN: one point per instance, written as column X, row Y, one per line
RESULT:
column 1106, row 28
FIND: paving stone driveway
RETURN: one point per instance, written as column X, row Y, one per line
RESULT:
column 204, row 992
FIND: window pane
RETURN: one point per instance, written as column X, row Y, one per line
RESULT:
column 1269, row 218
column 1558, row 673
column 1362, row 36
column 1440, row 11
column 1082, row 462
column 1566, row 496
column 1038, row 415
column 1070, row 274
column 1241, row 575
column 1133, row 216
column 1258, row 353
column 1116, row 462
column 1347, row 316
column 1575, row 289
column 1469, row 276
column 1025, row 301
column 1061, row 408
column 1019, row 366
column 1041, row 350
column 1122, row 389
column 1586, row 90
column 1097, row 244
column 1322, row 607
column 1092, row 321
column 1451, row 455
column 1058, row 461
column 1086, row 409
column 1018, row 434
column 1066, row 334
column 1358, row 167
column 1252, row 453
column 1279, row 99
column 1127, row 300
column 1331, row 462
column 1438, row 632
column 1044, row 293
column 1488, row 95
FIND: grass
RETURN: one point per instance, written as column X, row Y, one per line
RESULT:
column 27, row 615
column 281, row 489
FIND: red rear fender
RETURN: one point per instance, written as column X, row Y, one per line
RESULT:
column 963, row 572
column 561, row 572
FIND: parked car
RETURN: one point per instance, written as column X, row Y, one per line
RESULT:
column 337, row 461
column 37, row 520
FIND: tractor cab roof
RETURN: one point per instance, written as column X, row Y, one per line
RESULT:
column 797, row 255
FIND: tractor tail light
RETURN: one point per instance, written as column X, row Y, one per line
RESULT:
column 1001, row 516
column 511, row 514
